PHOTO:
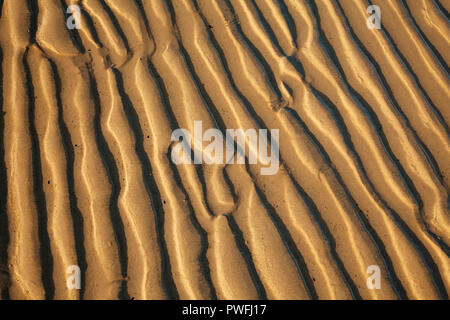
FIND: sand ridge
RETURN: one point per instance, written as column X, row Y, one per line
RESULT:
column 87, row 179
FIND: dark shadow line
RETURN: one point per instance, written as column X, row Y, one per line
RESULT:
column 91, row 26
column 247, row 256
column 376, row 240
column 1, row 8
column 206, row 99
column 165, row 100
column 408, row 67
column 77, row 217
column 428, row 155
column 243, row 99
column 225, row 66
column 116, row 24
column 150, row 184
column 141, row 11
column 427, row 42
column 289, row 244
column 4, row 232
column 431, row 160
column 441, row 9
column 73, row 33
column 114, row 180
column 257, row 55
column 202, row 257
column 38, row 188
column 365, row 107
column 371, row 115
column 260, row 122
column 289, row 21
column 269, row 31
column 327, row 234
column 34, row 15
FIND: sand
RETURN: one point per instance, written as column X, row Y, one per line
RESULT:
column 87, row 179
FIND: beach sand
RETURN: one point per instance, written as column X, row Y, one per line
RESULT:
column 87, row 179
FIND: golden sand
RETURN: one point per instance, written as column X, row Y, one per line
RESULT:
column 86, row 177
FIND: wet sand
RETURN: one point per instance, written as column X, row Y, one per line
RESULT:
column 86, row 177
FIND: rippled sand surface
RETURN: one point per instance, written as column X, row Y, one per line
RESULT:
column 86, row 176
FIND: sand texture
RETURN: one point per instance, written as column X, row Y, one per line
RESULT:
column 87, row 179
